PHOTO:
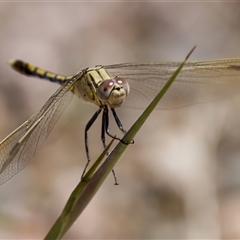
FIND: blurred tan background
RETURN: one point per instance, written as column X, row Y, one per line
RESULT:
column 181, row 178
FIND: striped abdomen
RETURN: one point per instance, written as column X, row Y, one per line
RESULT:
column 30, row 70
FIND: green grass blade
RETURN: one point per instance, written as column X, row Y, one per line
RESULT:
column 85, row 191
column 70, row 211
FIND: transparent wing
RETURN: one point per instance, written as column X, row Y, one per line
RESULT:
column 20, row 146
column 198, row 82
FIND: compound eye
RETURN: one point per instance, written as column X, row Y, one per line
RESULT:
column 104, row 89
column 123, row 83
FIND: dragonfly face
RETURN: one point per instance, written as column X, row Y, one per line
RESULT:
column 113, row 92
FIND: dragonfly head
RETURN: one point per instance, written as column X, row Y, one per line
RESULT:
column 113, row 91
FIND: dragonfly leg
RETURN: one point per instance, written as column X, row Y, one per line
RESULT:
column 105, row 124
column 88, row 126
column 119, row 124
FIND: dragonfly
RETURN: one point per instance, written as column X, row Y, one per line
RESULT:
column 110, row 87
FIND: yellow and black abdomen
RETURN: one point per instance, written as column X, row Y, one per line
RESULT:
column 30, row 70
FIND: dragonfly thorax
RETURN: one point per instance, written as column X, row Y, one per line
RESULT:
column 113, row 92
column 98, row 87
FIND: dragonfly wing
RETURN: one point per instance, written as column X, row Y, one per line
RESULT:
column 19, row 147
column 198, row 82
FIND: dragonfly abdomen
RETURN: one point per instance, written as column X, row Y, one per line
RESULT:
column 31, row 70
